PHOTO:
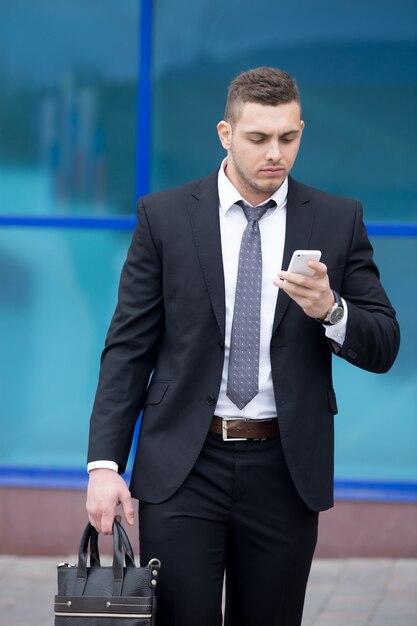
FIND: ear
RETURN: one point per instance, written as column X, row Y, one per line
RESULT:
column 225, row 134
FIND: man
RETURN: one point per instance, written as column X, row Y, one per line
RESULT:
column 235, row 452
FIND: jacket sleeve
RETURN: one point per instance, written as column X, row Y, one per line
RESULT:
column 131, row 349
column 372, row 333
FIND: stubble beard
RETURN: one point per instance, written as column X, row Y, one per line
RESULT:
column 249, row 183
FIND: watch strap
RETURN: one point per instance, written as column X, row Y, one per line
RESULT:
column 338, row 304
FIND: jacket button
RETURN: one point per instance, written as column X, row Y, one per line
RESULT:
column 221, row 346
column 211, row 400
column 351, row 353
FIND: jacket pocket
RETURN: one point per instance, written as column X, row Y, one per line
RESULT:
column 332, row 400
column 156, row 392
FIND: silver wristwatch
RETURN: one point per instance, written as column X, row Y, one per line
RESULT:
column 335, row 313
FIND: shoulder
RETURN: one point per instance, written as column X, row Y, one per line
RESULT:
column 323, row 199
column 335, row 212
column 167, row 198
column 306, row 193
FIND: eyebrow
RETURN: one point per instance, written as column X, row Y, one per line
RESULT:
column 295, row 131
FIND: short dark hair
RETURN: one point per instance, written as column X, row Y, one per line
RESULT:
column 264, row 85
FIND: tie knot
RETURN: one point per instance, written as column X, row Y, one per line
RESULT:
column 254, row 213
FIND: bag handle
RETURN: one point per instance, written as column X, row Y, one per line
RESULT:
column 127, row 546
column 94, row 551
column 122, row 551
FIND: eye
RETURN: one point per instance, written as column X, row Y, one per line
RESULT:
column 288, row 138
column 255, row 137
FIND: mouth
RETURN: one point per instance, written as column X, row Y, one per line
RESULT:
column 272, row 171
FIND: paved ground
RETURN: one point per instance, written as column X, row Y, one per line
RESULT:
column 341, row 592
column 359, row 592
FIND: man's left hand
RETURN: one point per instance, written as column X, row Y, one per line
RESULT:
column 312, row 294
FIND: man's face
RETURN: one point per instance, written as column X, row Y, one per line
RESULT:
column 262, row 146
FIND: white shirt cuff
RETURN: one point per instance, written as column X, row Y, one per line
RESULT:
column 102, row 465
column 337, row 332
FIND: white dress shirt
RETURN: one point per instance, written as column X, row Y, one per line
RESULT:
column 272, row 229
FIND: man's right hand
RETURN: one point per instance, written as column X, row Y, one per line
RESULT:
column 106, row 490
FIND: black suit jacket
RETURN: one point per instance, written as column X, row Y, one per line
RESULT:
column 170, row 320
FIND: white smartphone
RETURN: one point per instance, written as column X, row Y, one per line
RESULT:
column 300, row 259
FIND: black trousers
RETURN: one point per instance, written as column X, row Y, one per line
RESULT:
column 237, row 512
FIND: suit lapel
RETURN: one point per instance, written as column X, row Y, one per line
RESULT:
column 299, row 224
column 203, row 211
column 204, row 216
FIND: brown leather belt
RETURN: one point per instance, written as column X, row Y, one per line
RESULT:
column 233, row 430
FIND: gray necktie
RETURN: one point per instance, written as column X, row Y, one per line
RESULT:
column 243, row 374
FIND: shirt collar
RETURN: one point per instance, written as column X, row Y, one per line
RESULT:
column 229, row 195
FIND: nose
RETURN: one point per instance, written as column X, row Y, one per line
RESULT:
column 273, row 152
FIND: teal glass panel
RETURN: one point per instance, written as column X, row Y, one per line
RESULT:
column 356, row 65
column 61, row 288
column 68, row 74
column 376, row 428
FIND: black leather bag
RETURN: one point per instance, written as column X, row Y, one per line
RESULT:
column 117, row 595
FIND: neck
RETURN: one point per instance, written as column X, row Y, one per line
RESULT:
column 248, row 193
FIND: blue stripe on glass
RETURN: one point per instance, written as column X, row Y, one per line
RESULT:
column 375, row 490
column 59, row 478
column 52, row 221
column 387, row 229
column 40, row 478
column 144, row 100
column 383, row 229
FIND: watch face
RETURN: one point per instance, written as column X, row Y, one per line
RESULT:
column 336, row 315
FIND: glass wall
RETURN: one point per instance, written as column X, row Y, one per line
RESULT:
column 68, row 148
column 61, row 288
column 376, row 429
column 357, row 72
column 356, row 65
column 68, row 72
column 68, row 107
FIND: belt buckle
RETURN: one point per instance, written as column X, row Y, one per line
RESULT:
column 224, row 434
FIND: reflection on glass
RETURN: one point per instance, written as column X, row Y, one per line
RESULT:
column 376, row 429
column 68, row 106
column 61, row 288
column 356, row 64
column 71, row 146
